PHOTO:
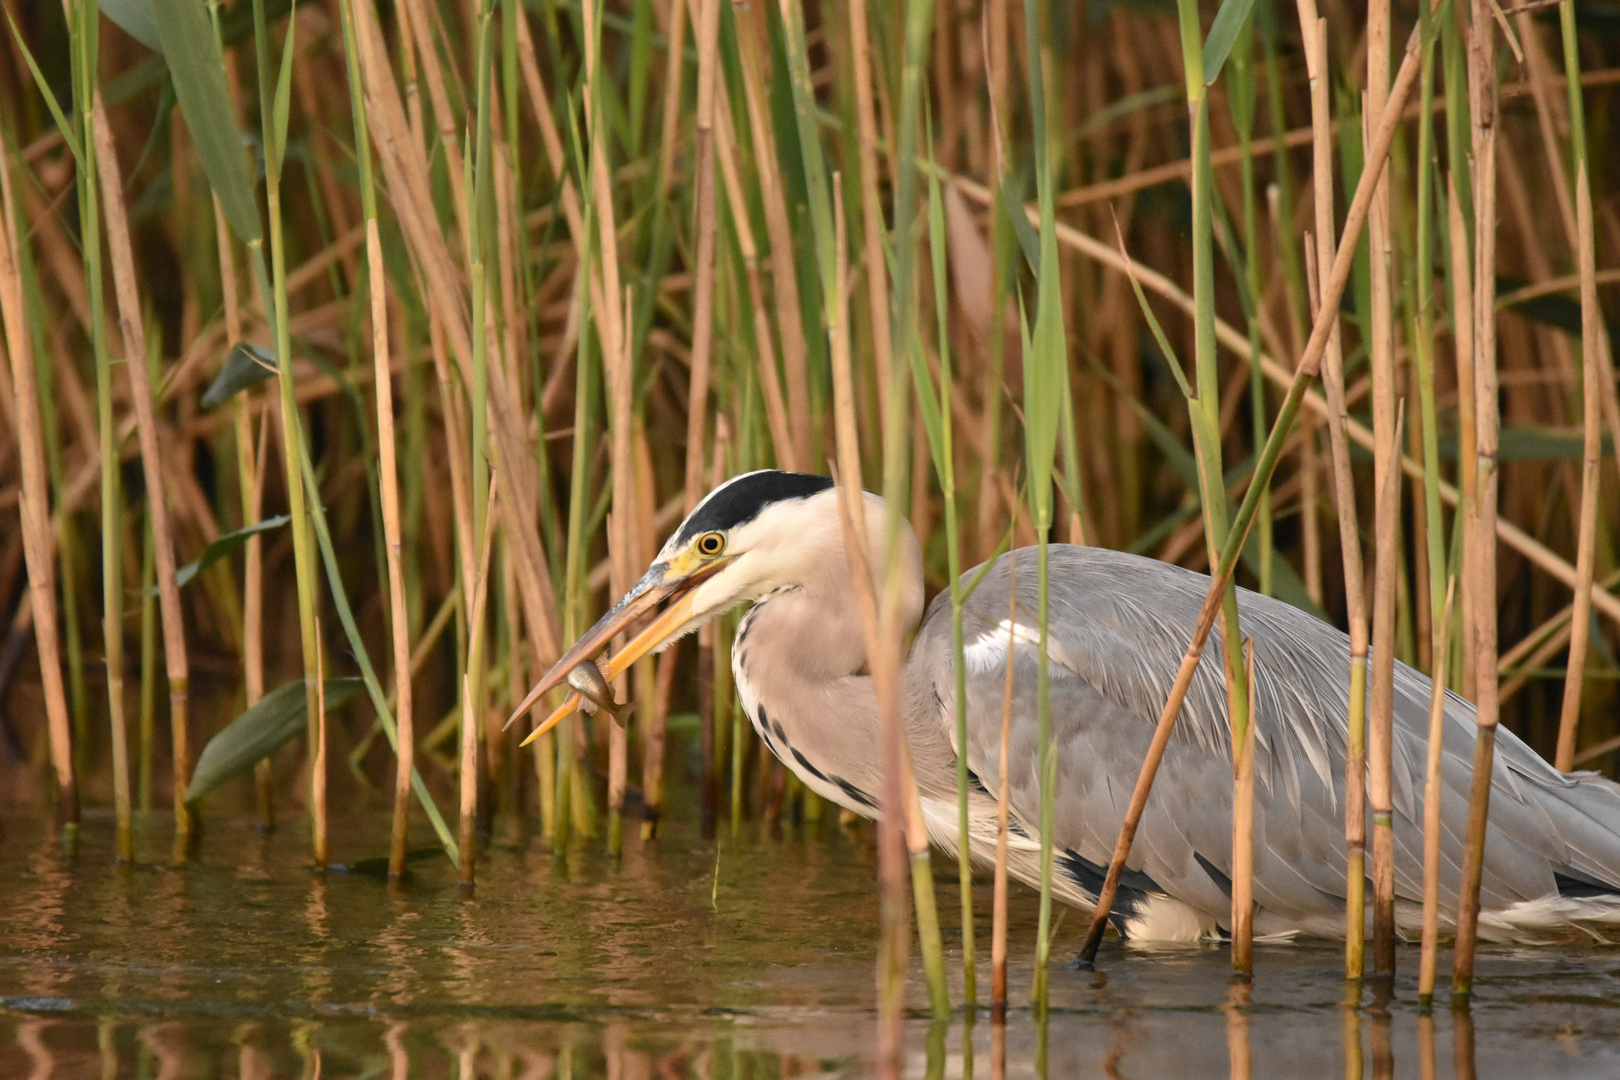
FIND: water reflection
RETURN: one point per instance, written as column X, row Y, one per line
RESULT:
column 244, row 964
column 1238, row 1049
column 1462, row 1042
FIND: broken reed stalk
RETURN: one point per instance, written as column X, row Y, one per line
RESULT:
column 132, row 326
column 1432, row 795
column 1481, row 569
column 1594, row 367
column 1309, row 364
column 1314, row 31
column 1387, row 557
column 38, row 544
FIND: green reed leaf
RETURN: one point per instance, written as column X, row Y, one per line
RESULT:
column 277, row 153
column 1028, row 242
column 197, row 68
column 244, row 366
column 809, row 133
column 1223, row 34
column 265, row 727
column 1046, row 358
column 55, row 107
column 928, row 401
column 377, row 865
column 134, row 17
column 224, row 547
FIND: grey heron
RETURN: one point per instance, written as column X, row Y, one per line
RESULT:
column 1118, row 627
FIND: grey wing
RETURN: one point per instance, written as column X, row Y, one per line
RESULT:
column 1118, row 627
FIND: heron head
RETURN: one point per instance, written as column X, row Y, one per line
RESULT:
column 752, row 534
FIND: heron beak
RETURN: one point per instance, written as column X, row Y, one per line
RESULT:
column 660, row 583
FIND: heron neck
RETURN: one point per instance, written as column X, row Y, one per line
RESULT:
column 799, row 660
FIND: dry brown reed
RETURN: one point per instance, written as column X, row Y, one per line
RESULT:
column 34, row 505
column 131, row 325
column 1387, row 503
column 1480, row 569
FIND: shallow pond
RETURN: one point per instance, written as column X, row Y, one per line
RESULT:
column 752, row 957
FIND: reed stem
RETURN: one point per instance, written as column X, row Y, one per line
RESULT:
column 1596, row 363
column 1432, row 795
column 706, row 15
column 1481, row 567
column 34, row 507
column 942, row 443
column 1386, row 515
column 998, row 923
column 1314, row 31
column 132, row 326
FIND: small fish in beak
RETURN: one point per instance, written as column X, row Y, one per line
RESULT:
column 660, row 583
column 595, row 695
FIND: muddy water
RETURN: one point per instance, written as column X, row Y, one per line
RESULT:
column 752, row 957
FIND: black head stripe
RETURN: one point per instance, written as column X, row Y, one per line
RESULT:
column 742, row 499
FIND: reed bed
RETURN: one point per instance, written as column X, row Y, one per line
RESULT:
column 1313, row 301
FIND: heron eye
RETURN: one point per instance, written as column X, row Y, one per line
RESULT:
column 711, row 544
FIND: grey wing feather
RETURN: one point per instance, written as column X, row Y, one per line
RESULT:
column 1118, row 628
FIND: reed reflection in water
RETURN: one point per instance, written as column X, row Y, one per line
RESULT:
column 47, row 1047
column 245, row 964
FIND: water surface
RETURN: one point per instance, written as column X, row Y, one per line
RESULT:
column 752, row 957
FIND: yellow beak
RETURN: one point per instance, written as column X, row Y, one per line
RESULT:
column 659, row 583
